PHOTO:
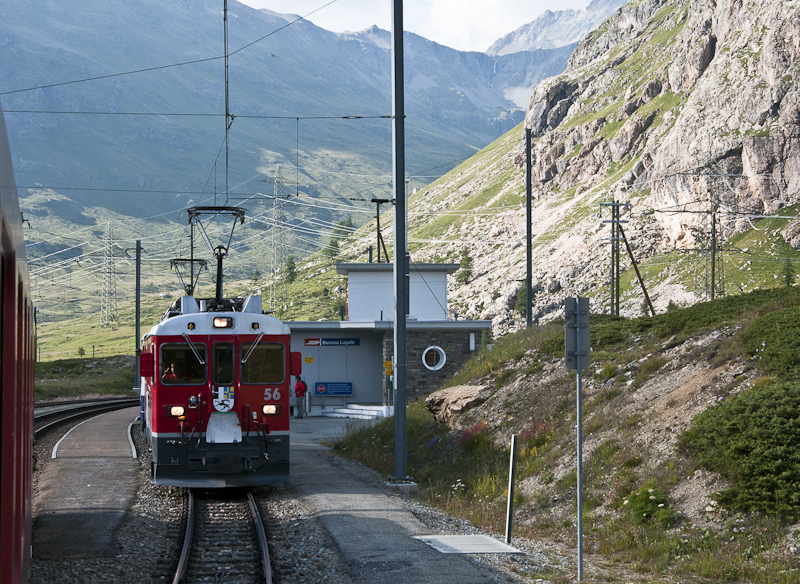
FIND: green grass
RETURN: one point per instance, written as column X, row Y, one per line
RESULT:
column 507, row 349
column 750, row 438
column 74, row 378
column 463, row 472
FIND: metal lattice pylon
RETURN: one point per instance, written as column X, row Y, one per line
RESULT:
column 709, row 271
column 279, row 247
column 108, row 297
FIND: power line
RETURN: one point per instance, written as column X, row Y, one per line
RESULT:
column 194, row 62
column 200, row 115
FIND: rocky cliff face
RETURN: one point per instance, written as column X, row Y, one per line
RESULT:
column 674, row 107
column 676, row 90
column 555, row 29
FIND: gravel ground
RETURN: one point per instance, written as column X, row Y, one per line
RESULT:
column 302, row 552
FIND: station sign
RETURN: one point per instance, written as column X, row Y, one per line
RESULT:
column 333, row 389
column 341, row 342
column 333, row 342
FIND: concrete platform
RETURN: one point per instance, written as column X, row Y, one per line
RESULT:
column 376, row 532
column 85, row 492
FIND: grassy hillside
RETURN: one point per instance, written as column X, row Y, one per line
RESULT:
column 687, row 476
column 84, row 377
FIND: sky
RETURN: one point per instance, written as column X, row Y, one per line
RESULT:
column 466, row 25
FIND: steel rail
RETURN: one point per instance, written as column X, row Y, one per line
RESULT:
column 67, row 414
column 262, row 538
column 187, row 543
column 86, row 401
column 183, row 561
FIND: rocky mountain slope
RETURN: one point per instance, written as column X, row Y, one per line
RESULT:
column 648, row 381
column 676, row 108
column 555, row 29
column 457, row 101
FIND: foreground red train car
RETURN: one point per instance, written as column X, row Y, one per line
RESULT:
column 216, row 376
column 17, row 354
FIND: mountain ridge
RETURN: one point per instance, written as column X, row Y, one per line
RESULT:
column 302, row 71
column 668, row 107
column 555, row 29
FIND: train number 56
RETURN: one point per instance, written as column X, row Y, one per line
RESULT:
column 272, row 394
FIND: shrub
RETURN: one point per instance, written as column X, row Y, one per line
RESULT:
column 751, row 439
column 775, row 340
column 521, row 303
column 608, row 371
column 536, row 434
column 465, row 271
column 553, row 346
column 471, row 438
column 719, row 312
column 648, row 504
column 291, row 270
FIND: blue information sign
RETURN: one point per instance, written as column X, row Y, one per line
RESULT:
column 333, row 389
column 340, row 342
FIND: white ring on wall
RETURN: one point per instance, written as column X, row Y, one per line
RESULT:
column 436, row 355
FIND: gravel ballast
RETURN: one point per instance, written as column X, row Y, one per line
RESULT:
column 302, row 551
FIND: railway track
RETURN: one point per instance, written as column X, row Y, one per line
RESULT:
column 49, row 414
column 225, row 540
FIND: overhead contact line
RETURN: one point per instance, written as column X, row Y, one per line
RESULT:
column 157, row 68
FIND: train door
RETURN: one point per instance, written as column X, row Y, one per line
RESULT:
column 224, row 425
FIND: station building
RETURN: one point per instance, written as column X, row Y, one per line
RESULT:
column 346, row 363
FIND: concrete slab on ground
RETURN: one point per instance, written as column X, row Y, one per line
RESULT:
column 85, row 492
column 467, row 544
column 374, row 530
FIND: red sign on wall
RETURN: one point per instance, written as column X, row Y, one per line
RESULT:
column 312, row 342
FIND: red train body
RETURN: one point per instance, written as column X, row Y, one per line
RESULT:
column 17, row 355
column 216, row 378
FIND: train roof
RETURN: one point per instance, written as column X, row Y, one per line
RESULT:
column 9, row 205
column 188, row 315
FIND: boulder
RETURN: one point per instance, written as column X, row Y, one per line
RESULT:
column 791, row 233
column 447, row 405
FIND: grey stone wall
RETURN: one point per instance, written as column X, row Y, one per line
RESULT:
column 421, row 381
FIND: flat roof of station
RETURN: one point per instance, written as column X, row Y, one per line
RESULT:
column 345, row 269
column 384, row 325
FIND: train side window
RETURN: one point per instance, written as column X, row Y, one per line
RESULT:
column 178, row 364
column 223, row 364
column 265, row 364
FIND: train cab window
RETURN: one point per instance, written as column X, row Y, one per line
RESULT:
column 264, row 365
column 178, row 364
column 223, row 364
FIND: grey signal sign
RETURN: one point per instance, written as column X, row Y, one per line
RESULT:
column 576, row 333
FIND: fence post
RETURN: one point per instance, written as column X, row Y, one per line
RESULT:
column 510, row 507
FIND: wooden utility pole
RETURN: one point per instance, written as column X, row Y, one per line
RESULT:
column 636, row 267
column 378, row 203
column 529, row 233
column 615, row 239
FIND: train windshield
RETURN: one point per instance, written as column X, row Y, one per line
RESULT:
column 223, row 364
column 179, row 365
column 265, row 363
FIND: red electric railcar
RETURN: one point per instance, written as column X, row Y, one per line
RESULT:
column 17, row 355
column 216, row 376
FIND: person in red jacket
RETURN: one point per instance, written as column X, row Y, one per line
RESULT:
column 300, row 389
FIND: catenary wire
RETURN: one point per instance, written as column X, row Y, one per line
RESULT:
column 193, row 62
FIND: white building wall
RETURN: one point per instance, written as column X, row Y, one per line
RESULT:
column 370, row 296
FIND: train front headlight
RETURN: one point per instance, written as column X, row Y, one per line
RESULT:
column 271, row 409
column 177, row 411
